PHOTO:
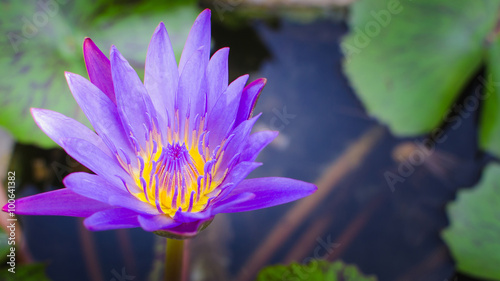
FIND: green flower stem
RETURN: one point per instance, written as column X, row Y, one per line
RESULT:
column 174, row 260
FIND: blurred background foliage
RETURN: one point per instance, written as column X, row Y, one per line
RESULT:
column 314, row 271
column 43, row 39
column 408, row 62
column 473, row 233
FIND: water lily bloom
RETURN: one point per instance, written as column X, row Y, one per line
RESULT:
column 168, row 154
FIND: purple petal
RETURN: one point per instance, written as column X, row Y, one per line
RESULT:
column 98, row 68
column 235, row 176
column 134, row 104
column 93, row 158
column 112, row 219
column 217, row 76
column 158, row 222
column 221, row 118
column 161, row 76
column 59, row 127
column 188, row 229
column 101, row 112
column 188, row 217
column 268, row 192
column 191, row 96
column 235, row 145
column 255, row 143
column 130, row 202
column 92, row 186
column 249, row 98
column 233, row 202
column 199, row 36
column 61, row 202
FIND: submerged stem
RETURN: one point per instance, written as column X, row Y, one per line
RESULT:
column 174, row 260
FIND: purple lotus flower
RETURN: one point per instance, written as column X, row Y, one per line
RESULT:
column 169, row 154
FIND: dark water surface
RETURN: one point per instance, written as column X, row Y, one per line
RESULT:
column 393, row 234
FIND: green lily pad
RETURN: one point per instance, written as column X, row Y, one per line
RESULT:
column 42, row 42
column 409, row 60
column 489, row 128
column 316, row 270
column 474, row 231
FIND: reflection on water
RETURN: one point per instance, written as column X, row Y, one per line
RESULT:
column 393, row 233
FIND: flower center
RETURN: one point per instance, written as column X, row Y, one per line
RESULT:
column 174, row 177
column 176, row 171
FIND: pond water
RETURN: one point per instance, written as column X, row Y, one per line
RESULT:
column 390, row 232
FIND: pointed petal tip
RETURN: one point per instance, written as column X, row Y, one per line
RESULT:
column 65, row 179
column 35, row 110
column 310, row 187
column 37, row 113
column 204, row 17
column 199, row 35
column 207, row 12
column 74, row 80
column 256, row 116
column 88, row 46
column 115, row 54
column 5, row 208
column 39, row 116
column 274, row 134
column 87, row 42
column 160, row 28
column 242, row 79
column 113, row 51
column 90, row 50
column 307, row 189
column 69, row 76
column 261, row 82
column 269, row 192
column 98, row 68
column 222, row 51
column 59, row 202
